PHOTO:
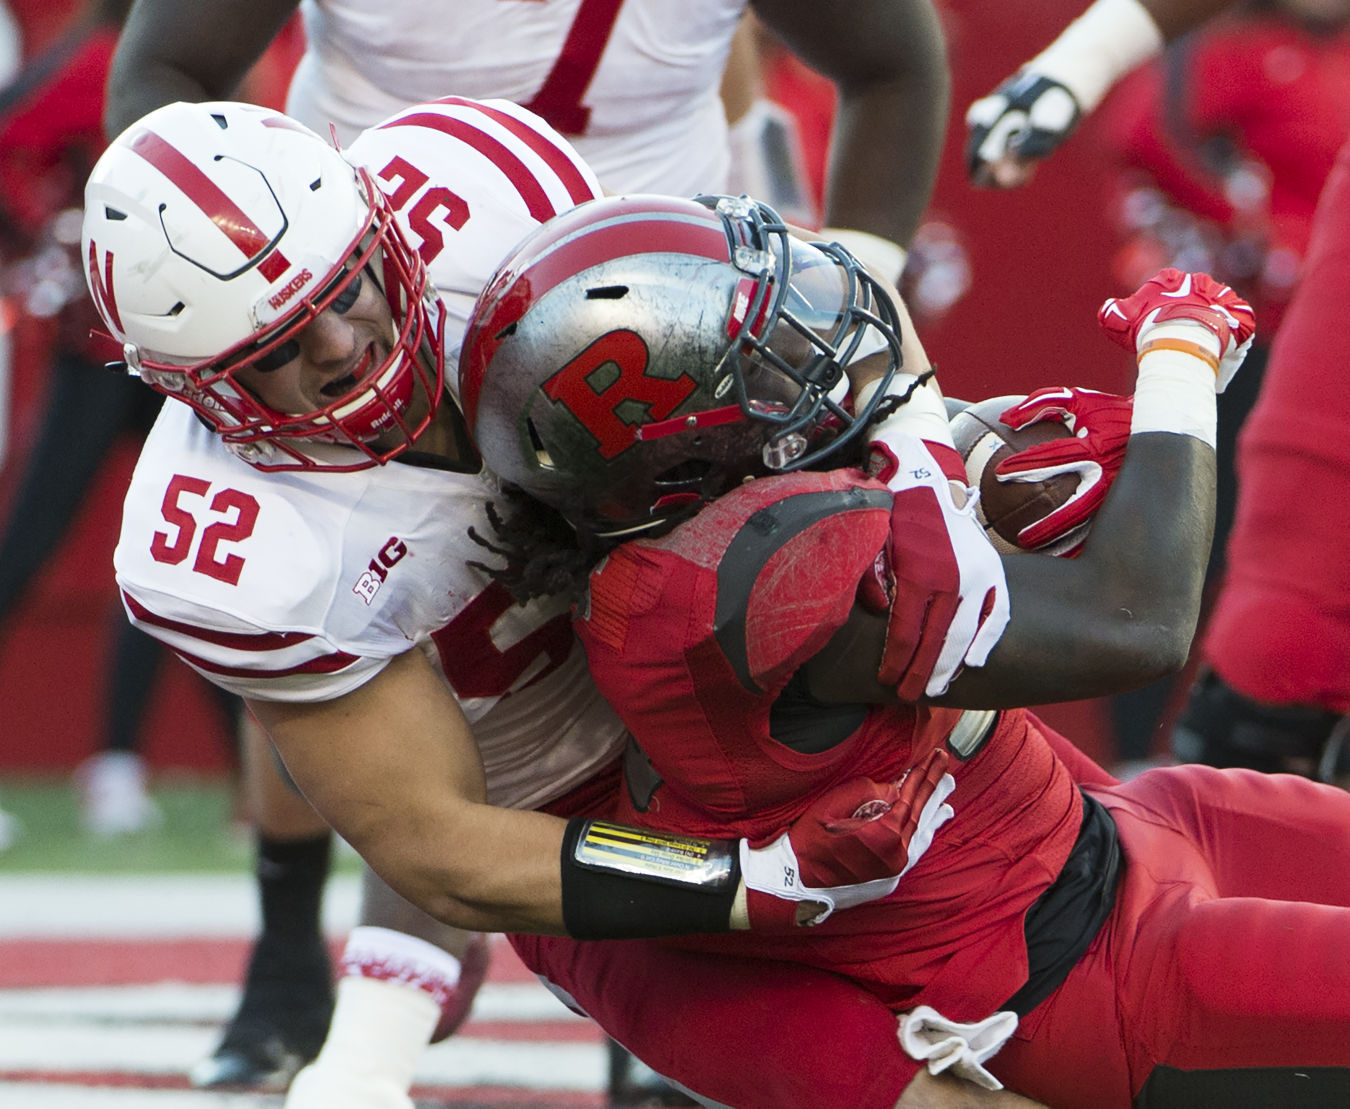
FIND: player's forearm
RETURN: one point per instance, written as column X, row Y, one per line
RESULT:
column 1112, row 37
column 884, row 159
column 497, row 870
column 491, row 870
column 1123, row 612
column 888, row 61
column 889, row 127
column 171, row 51
column 1175, row 17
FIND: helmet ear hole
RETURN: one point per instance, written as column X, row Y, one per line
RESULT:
column 541, row 452
column 607, row 292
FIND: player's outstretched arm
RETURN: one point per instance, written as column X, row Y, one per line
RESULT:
column 172, row 51
column 1037, row 629
column 392, row 766
column 1125, row 609
column 1030, row 115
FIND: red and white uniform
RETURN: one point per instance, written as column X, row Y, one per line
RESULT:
column 470, row 179
column 694, row 635
column 302, row 586
column 633, row 83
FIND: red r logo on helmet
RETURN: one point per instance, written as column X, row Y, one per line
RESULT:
column 612, row 371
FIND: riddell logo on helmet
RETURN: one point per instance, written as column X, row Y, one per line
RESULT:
column 293, row 286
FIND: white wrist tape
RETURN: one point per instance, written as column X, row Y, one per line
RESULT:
column 883, row 257
column 1176, row 391
column 924, row 415
column 1098, row 48
column 374, row 952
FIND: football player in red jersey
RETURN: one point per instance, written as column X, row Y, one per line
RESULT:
column 764, row 626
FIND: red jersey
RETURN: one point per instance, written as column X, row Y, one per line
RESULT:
column 695, row 639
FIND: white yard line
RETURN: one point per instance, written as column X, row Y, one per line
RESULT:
column 64, row 1047
column 42, row 1095
column 168, row 1002
column 41, row 906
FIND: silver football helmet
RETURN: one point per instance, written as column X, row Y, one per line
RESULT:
column 640, row 355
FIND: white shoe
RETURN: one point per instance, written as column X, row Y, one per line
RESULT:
column 332, row 1087
column 113, row 798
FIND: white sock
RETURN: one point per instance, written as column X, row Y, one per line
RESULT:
column 379, row 1030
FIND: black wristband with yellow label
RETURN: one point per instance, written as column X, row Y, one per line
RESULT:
column 621, row 882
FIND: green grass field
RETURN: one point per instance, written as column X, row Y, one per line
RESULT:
column 198, row 834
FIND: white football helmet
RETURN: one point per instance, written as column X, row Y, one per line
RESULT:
column 212, row 234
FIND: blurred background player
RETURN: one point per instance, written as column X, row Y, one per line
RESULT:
column 579, row 66
column 11, row 50
column 50, row 135
column 1275, row 688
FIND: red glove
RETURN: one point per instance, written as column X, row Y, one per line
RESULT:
column 1171, row 296
column 851, row 846
column 1100, row 423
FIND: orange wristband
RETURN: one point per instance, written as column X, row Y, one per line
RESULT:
column 1185, row 346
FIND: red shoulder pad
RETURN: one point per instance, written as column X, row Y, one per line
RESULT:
column 790, row 553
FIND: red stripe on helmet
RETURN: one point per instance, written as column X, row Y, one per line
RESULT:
column 554, row 156
column 689, row 228
column 712, row 417
column 211, row 199
column 101, row 286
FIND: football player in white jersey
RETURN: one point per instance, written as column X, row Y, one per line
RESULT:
column 298, row 529
column 634, row 85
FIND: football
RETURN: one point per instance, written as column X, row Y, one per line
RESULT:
column 1006, row 507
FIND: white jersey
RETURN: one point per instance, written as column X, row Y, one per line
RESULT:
column 634, row 84
column 302, row 586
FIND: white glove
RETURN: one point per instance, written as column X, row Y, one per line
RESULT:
column 944, row 1045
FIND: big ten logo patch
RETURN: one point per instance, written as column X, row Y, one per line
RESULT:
column 368, row 584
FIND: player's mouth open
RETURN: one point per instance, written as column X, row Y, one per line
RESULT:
column 341, row 386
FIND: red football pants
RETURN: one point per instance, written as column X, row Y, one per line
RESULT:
column 1229, row 946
